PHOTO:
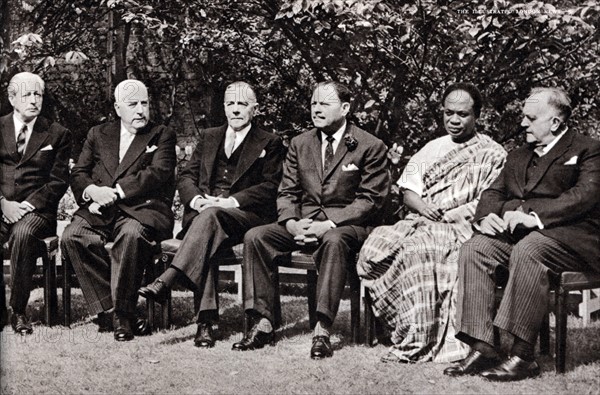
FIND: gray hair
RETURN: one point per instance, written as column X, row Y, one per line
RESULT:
column 557, row 98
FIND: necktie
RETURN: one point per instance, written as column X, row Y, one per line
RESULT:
column 21, row 141
column 328, row 153
column 230, row 144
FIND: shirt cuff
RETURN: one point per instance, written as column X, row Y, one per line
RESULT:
column 237, row 204
column 332, row 224
column 31, row 206
column 537, row 219
column 194, row 200
column 120, row 191
column 85, row 196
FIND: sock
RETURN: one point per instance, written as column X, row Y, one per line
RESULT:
column 322, row 329
column 486, row 349
column 169, row 276
column 523, row 349
column 264, row 325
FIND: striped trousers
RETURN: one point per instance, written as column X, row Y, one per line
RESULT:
column 25, row 241
column 109, row 281
column 526, row 267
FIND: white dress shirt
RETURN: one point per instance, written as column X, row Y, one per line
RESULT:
column 19, row 125
column 337, row 137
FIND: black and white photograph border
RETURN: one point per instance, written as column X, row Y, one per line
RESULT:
column 397, row 58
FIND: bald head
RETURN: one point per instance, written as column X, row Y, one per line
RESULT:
column 25, row 94
column 132, row 105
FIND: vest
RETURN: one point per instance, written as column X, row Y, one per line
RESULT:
column 224, row 170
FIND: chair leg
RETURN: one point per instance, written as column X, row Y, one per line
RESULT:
column 311, row 288
column 354, row 281
column 561, row 329
column 545, row 336
column 50, row 298
column 369, row 319
column 277, row 306
column 66, row 291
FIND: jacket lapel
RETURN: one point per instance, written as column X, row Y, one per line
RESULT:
column 39, row 135
column 317, row 153
column 110, row 147
column 212, row 142
column 547, row 160
column 251, row 150
column 137, row 148
column 8, row 135
column 520, row 173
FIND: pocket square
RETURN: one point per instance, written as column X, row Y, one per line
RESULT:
column 350, row 167
column 572, row 161
column 263, row 153
column 47, row 148
column 151, row 149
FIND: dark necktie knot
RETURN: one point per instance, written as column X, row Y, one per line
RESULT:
column 330, row 139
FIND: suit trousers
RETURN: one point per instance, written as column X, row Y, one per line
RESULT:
column 25, row 241
column 265, row 245
column 529, row 264
column 109, row 281
column 210, row 232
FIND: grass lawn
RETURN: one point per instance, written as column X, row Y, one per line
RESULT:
column 80, row 360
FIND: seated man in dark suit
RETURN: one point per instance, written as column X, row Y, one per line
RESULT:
column 335, row 179
column 124, row 185
column 34, row 175
column 539, row 218
column 228, row 186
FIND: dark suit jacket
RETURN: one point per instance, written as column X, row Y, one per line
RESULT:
column 566, row 197
column 41, row 177
column 346, row 197
column 256, row 177
column 146, row 175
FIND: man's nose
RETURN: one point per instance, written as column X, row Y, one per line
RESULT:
column 454, row 119
column 524, row 123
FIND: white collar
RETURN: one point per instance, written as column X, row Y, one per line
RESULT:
column 544, row 150
column 19, row 124
column 241, row 133
column 125, row 131
column 337, row 135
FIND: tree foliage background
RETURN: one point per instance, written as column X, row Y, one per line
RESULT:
column 397, row 56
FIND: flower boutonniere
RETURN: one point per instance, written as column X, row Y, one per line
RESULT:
column 351, row 142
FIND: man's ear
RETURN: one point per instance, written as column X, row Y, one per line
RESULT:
column 117, row 110
column 345, row 108
column 555, row 127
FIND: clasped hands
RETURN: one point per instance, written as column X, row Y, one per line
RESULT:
column 101, row 197
column 13, row 211
column 207, row 201
column 306, row 231
column 493, row 225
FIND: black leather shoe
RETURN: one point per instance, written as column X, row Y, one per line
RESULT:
column 204, row 336
column 104, row 321
column 141, row 327
column 474, row 363
column 321, row 347
column 512, row 369
column 256, row 339
column 21, row 325
column 122, row 326
column 156, row 291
